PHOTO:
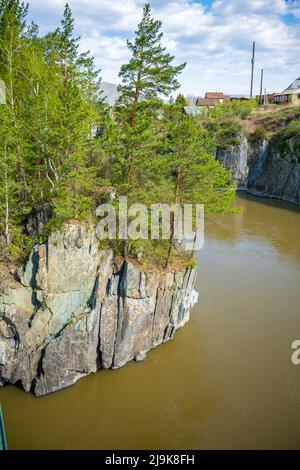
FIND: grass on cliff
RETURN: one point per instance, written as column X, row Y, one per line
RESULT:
column 292, row 130
column 226, row 131
column 226, row 122
column 283, row 123
column 279, row 127
column 275, row 121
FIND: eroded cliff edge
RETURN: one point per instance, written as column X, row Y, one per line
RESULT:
column 72, row 310
column 266, row 168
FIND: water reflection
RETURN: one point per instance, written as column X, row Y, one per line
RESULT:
column 226, row 381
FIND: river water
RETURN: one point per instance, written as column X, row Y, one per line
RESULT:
column 226, row 381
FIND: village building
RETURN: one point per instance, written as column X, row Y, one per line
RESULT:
column 216, row 96
column 211, row 98
column 265, row 100
column 239, row 97
column 290, row 95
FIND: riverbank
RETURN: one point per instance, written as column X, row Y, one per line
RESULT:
column 227, row 380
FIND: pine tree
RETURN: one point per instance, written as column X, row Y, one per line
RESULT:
column 78, row 112
column 147, row 77
column 13, row 185
column 45, row 126
column 188, row 163
column 149, row 73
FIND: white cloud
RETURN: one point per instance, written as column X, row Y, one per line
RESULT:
column 216, row 42
column 294, row 7
column 250, row 7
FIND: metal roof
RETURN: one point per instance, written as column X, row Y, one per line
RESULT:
column 191, row 110
column 292, row 89
column 294, row 86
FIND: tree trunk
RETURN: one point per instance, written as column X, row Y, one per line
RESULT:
column 137, row 92
column 7, row 235
column 177, row 201
column 171, row 241
column 10, row 66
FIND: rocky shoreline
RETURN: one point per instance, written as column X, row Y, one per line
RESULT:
column 72, row 310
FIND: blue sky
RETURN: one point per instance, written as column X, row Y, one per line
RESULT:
column 213, row 36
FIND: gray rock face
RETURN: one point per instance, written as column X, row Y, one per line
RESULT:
column 72, row 311
column 274, row 172
column 265, row 169
column 236, row 159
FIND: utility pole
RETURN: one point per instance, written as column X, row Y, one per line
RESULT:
column 266, row 98
column 252, row 69
column 261, row 86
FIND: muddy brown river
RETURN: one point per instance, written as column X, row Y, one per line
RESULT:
column 226, row 381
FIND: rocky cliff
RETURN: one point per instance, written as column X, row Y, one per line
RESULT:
column 236, row 158
column 72, row 310
column 267, row 168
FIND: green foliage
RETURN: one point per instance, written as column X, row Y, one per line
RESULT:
column 75, row 196
column 277, row 121
column 150, row 72
column 61, row 148
column 226, row 132
column 52, row 103
column 196, row 177
column 181, row 100
column 235, row 108
column 259, row 135
column 149, row 75
column 158, row 153
column 292, row 130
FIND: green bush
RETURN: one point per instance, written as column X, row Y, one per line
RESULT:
column 245, row 113
column 229, row 134
column 292, row 130
column 259, row 135
column 233, row 109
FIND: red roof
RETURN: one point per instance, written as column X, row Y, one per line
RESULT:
column 215, row 95
column 205, row 102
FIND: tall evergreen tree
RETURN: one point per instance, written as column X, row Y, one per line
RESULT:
column 149, row 75
column 52, row 105
column 150, row 72
column 188, row 162
column 13, row 175
column 78, row 113
column 75, row 116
